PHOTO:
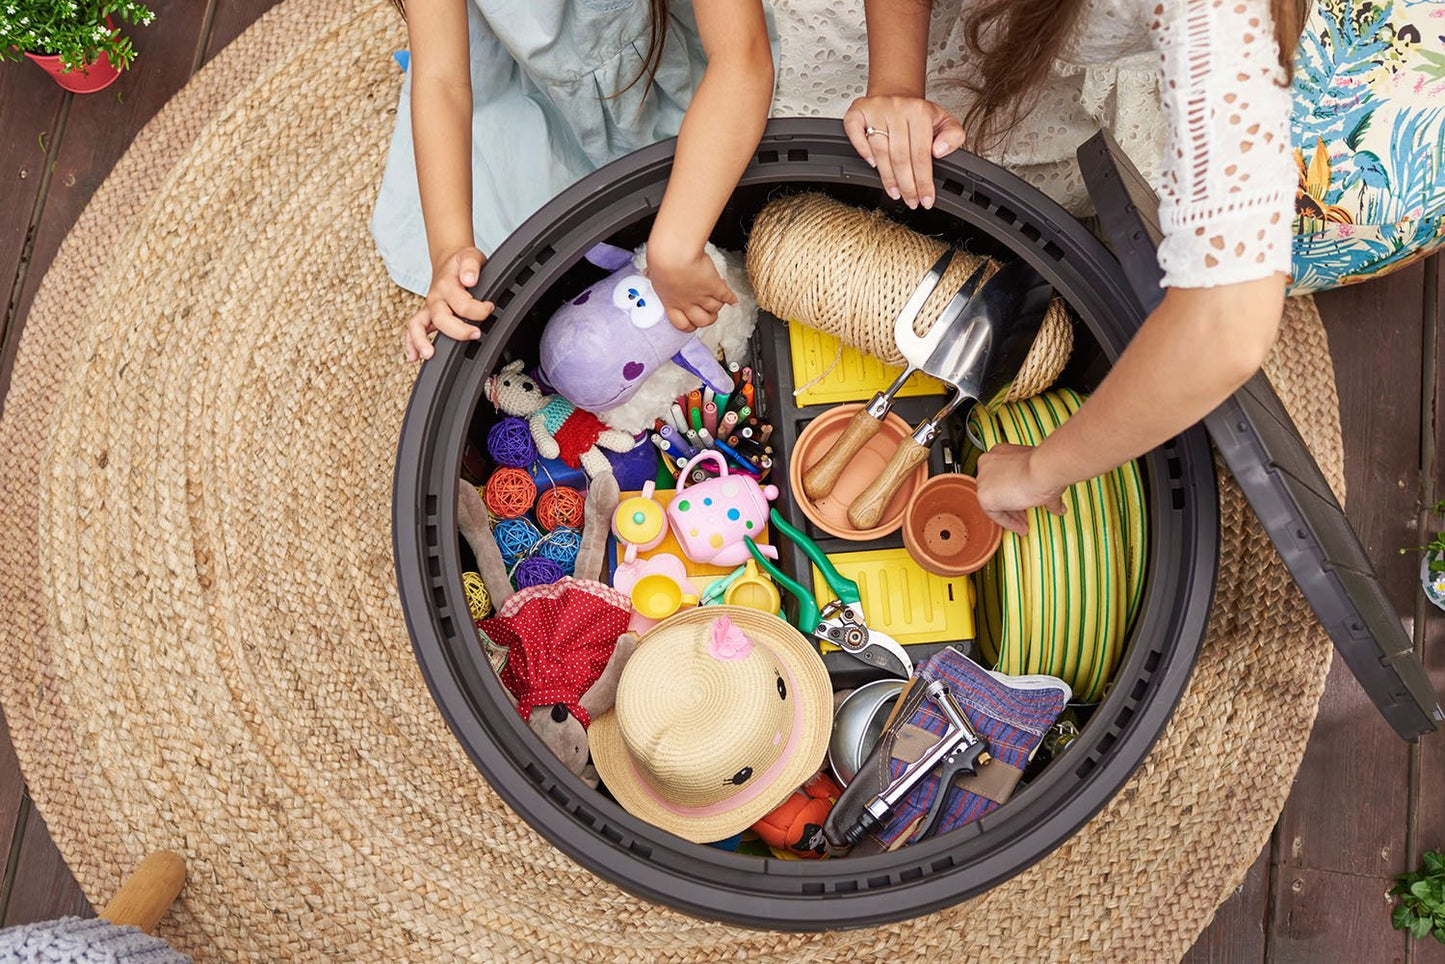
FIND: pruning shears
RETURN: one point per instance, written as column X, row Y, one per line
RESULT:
column 840, row 622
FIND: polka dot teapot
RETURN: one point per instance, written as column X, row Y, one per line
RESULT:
column 710, row 518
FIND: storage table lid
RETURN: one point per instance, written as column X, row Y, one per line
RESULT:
column 1268, row 458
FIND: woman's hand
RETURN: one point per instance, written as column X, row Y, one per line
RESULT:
column 1008, row 487
column 908, row 133
column 448, row 303
column 690, row 289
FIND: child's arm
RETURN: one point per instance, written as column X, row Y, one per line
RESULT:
column 441, row 123
column 719, row 134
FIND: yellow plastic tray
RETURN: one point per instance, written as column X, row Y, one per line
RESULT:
column 855, row 378
column 902, row 599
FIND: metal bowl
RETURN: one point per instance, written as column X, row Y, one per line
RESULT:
column 858, row 724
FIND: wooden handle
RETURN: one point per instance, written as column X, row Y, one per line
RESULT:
column 823, row 474
column 148, row 892
column 868, row 507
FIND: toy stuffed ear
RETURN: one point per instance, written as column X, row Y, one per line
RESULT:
column 602, row 498
column 602, row 694
column 472, row 521
column 609, row 257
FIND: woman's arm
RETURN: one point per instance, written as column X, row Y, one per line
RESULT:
column 441, row 123
column 1226, row 203
column 918, row 130
column 1197, row 348
column 721, row 130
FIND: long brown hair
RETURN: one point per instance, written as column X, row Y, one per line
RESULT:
column 1014, row 43
column 656, row 38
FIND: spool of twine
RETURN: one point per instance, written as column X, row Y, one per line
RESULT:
column 848, row 272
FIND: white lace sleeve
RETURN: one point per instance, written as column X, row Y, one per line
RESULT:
column 1228, row 181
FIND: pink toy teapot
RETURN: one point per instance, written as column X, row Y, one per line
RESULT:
column 710, row 518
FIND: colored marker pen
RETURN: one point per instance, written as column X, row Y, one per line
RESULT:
column 694, row 408
column 674, row 414
column 709, row 415
column 706, row 437
column 725, row 427
column 737, row 457
column 677, row 444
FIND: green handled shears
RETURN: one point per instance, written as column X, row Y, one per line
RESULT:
column 840, row 622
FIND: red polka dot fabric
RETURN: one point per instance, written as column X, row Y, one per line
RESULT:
column 559, row 638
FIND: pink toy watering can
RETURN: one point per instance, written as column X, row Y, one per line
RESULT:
column 710, row 518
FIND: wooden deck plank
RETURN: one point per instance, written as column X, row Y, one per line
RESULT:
column 43, row 888
column 1237, row 933
column 1429, row 815
column 32, row 109
column 12, row 792
column 1347, row 811
column 1322, row 917
column 101, row 126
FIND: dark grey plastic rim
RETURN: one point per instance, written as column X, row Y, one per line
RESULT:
column 705, row 882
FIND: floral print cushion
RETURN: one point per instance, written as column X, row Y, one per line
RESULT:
column 1368, row 126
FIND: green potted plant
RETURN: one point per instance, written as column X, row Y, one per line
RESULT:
column 75, row 41
column 1421, row 907
column 1432, row 566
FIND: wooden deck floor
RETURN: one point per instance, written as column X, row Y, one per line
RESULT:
column 1365, row 805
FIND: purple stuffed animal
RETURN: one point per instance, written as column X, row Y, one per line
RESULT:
column 600, row 347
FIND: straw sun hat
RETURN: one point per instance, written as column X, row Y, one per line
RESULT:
column 721, row 713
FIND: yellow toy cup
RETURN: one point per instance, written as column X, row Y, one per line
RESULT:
column 754, row 591
column 658, row 596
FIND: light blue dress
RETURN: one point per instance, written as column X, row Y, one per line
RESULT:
column 545, row 111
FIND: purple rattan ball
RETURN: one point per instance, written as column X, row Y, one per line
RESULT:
column 536, row 571
column 510, row 443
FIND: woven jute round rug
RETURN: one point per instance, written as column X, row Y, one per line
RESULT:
column 203, row 647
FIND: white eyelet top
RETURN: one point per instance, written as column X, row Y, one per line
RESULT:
column 1192, row 90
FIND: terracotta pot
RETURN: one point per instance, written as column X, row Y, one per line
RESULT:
column 86, row 80
column 830, row 513
column 945, row 529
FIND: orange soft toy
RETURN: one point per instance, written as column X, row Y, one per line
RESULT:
column 795, row 827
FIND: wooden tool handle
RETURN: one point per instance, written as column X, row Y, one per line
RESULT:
column 868, row 507
column 823, row 474
column 148, row 892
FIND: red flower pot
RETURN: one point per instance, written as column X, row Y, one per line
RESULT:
column 86, row 80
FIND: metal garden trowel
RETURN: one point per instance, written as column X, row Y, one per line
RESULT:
column 977, row 354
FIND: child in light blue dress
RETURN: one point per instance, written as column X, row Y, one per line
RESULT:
column 557, row 89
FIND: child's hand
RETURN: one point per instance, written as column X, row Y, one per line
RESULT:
column 691, row 291
column 901, row 136
column 448, row 303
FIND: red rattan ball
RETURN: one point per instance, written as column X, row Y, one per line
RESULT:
column 510, row 493
column 560, row 506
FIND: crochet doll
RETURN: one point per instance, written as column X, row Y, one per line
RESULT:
column 560, row 429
